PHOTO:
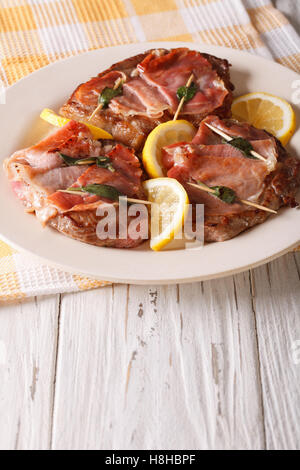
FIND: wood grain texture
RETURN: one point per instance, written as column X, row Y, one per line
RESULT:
column 28, row 333
column 277, row 306
column 213, row 365
column 159, row 367
column 89, row 369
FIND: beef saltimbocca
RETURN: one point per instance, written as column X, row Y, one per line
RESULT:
column 129, row 100
column 70, row 158
column 210, row 160
column 149, row 85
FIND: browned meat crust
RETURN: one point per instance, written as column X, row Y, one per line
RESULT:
column 82, row 226
column 133, row 130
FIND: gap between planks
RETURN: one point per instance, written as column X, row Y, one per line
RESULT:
column 252, row 294
column 56, row 353
column 258, row 349
column 59, row 358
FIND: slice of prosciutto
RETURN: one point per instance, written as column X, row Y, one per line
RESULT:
column 209, row 160
column 126, row 178
column 159, row 76
column 215, row 163
column 39, row 173
column 149, row 92
column 171, row 71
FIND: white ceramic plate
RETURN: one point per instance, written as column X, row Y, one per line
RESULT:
column 50, row 87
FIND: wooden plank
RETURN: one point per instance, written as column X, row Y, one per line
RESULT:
column 27, row 362
column 91, row 368
column 159, row 367
column 220, row 329
column 277, row 306
column 147, row 367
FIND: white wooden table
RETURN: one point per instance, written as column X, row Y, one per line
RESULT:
column 208, row 365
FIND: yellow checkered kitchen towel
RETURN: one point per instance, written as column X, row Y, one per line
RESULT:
column 34, row 33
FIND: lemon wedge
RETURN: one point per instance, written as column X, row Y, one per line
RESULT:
column 165, row 134
column 168, row 211
column 59, row 121
column 268, row 112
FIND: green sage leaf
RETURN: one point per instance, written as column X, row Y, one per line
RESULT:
column 108, row 94
column 224, row 193
column 243, row 145
column 101, row 190
column 102, row 162
column 187, row 92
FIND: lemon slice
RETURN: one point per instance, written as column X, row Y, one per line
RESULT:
column 59, row 121
column 165, row 134
column 268, row 112
column 168, row 211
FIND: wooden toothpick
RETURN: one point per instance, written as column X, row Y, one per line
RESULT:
column 228, row 139
column 203, row 187
column 136, row 201
column 183, row 98
column 84, row 162
column 258, row 206
column 78, row 193
column 85, row 193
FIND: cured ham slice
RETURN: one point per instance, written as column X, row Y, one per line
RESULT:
column 89, row 92
column 230, row 127
column 149, row 96
column 169, row 72
column 209, row 160
column 126, row 178
column 218, row 165
column 39, row 173
column 139, row 99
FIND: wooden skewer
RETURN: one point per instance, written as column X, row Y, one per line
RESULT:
column 137, row 201
column 228, row 139
column 100, row 105
column 183, row 98
column 202, row 186
column 244, row 201
column 83, row 193
column 258, row 206
column 66, row 191
column 85, row 162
